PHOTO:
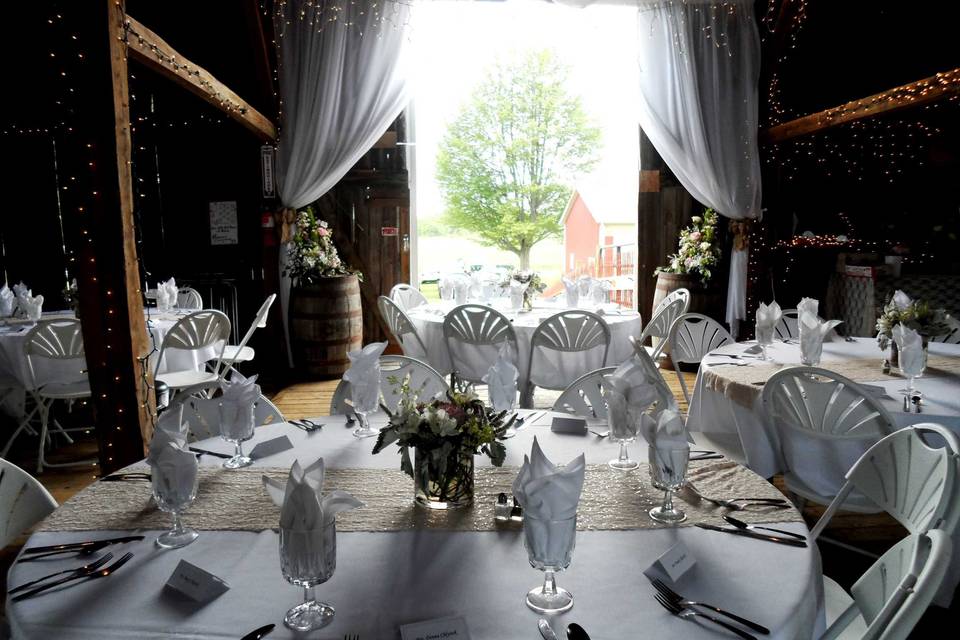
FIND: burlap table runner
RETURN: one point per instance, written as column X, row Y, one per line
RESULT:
column 744, row 384
column 236, row 501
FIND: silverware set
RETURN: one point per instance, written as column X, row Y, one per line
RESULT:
column 668, row 595
column 740, row 524
column 307, row 425
column 682, row 611
column 84, row 573
column 120, row 477
column 735, row 503
column 750, row 533
column 83, row 548
column 206, row 452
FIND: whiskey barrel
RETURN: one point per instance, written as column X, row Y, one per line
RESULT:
column 706, row 300
column 326, row 322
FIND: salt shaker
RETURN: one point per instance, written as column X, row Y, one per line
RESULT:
column 501, row 511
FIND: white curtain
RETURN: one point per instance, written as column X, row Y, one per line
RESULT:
column 342, row 83
column 699, row 69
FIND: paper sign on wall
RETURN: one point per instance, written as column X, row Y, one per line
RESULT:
column 223, row 223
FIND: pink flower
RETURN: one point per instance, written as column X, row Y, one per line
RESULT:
column 323, row 232
column 695, row 236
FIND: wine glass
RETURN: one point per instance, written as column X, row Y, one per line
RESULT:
column 236, row 426
column 173, row 492
column 764, row 339
column 549, row 545
column 366, row 400
column 668, row 469
column 912, row 365
column 623, row 430
column 308, row 557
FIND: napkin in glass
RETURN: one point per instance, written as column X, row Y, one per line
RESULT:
column 167, row 295
column 239, row 396
column 600, row 292
column 517, row 290
column 173, row 466
column 573, row 292
column 585, row 283
column 813, row 331
column 364, row 376
column 628, row 393
column 668, row 441
column 32, row 305
column 501, row 379
column 20, row 289
column 910, row 344
column 170, row 430
column 461, row 289
column 303, row 505
column 767, row 318
column 7, row 301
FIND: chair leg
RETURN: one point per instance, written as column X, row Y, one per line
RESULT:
column 44, row 418
column 23, row 426
column 62, row 431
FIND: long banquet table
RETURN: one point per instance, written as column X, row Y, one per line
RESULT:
column 388, row 578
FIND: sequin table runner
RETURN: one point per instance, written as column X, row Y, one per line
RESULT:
column 236, row 501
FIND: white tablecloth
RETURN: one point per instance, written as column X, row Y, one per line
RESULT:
column 554, row 369
column 384, row 580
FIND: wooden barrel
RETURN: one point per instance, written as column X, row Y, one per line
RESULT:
column 706, row 300
column 326, row 322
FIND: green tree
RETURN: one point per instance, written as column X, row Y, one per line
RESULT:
column 506, row 162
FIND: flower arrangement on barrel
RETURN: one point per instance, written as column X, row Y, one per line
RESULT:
column 698, row 251
column 445, row 434
column 314, row 255
column 916, row 315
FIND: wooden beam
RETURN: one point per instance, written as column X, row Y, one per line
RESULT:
column 936, row 87
column 152, row 51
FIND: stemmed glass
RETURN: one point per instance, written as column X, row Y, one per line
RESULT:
column 668, row 469
column 913, row 368
column 623, row 431
column 549, row 546
column 366, row 400
column 174, row 497
column 764, row 339
column 236, row 426
column 308, row 557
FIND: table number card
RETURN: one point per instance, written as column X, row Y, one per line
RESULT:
column 576, row 426
column 672, row 564
column 195, row 583
column 439, row 629
column 270, row 447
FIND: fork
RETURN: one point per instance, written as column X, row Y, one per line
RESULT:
column 775, row 503
column 681, row 612
column 90, row 566
column 86, row 575
column 676, row 598
column 355, row 636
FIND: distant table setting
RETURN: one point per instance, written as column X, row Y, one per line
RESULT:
column 398, row 564
column 726, row 410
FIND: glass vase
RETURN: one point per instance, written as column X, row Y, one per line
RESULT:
column 894, row 355
column 441, row 483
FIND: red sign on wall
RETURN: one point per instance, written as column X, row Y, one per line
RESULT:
column 389, row 231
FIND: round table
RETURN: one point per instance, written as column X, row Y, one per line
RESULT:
column 555, row 369
column 733, row 421
column 387, row 579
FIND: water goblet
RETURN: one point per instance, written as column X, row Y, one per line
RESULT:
column 173, row 495
column 308, row 557
column 622, row 430
column 549, row 545
column 913, row 368
column 668, row 469
column 366, row 400
column 764, row 339
column 236, row 426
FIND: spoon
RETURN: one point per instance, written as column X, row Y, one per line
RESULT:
column 576, row 632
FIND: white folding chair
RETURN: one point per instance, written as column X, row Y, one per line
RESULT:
column 824, row 423
column 401, row 327
column 658, row 329
column 203, row 415
column 692, row 336
column 189, row 299
column 584, row 396
column 233, row 354
column 58, row 345
column 953, row 335
column 424, row 379
column 198, row 331
column 407, row 297
column 567, row 332
column 789, row 326
column 474, row 335
column 890, row 597
column 23, row 502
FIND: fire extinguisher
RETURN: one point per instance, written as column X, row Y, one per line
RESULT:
column 267, row 227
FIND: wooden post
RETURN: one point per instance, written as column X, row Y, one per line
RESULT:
column 108, row 279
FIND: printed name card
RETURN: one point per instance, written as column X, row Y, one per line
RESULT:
column 439, row 629
column 672, row 564
column 195, row 583
column 270, row 447
column 576, row 426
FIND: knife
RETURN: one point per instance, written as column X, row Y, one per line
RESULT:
column 81, row 545
column 753, row 534
column 215, row 454
column 545, row 630
column 256, row 634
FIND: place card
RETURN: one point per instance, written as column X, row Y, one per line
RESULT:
column 438, row 629
column 562, row 424
column 270, row 447
column 672, row 564
column 195, row 583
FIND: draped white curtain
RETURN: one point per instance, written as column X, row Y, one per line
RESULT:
column 342, row 83
column 699, row 69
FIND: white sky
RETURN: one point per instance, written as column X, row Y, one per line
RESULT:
column 453, row 42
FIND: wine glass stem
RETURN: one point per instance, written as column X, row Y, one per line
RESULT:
column 549, row 584
column 911, row 388
column 667, row 501
column 308, row 595
column 763, row 351
column 239, row 449
column 623, row 452
column 177, row 524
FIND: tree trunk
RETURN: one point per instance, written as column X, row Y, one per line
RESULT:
column 524, row 258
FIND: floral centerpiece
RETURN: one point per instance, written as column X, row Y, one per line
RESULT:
column 698, row 251
column 535, row 285
column 314, row 255
column 914, row 314
column 445, row 434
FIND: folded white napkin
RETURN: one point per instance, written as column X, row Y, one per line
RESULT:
column 364, row 376
column 239, row 396
column 901, row 300
column 813, row 331
column 171, row 429
column 517, row 290
column 31, row 305
column 547, row 491
column 573, row 292
column 629, row 393
column 501, row 379
column 669, row 443
column 8, row 300
column 910, row 344
column 167, row 295
column 174, row 468
column 303, row 505
column 767, row 318
column 20, row 289
column 585, row 283
column 600, row 292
